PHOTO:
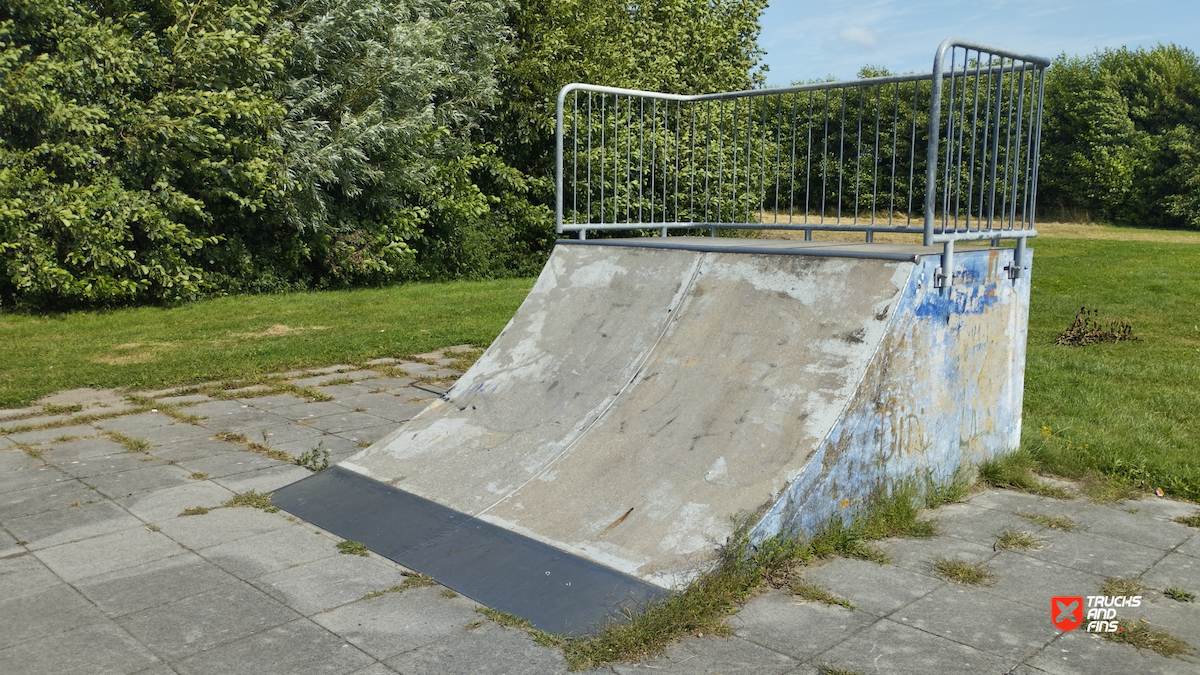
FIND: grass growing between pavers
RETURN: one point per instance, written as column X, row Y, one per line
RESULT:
column 1139, row 634
column 1063, row 523
column 1179, row 594
column 1114, row 586
column 353, row 548
column 962, row 572
column 742, row 570
column 1015, row 539
column 253, row 499
column 155, row 347
column 1192, row 520
column 1123, row 413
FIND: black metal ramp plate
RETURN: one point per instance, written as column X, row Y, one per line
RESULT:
column 557, row 591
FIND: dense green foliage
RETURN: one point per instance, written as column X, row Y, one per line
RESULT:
column 1122, row 136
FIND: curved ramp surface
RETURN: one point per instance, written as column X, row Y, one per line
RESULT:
column 648, row 397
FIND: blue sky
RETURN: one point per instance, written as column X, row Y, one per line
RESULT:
column 806, row 39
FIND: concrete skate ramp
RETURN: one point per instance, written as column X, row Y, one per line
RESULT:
column 642, row 400
column 650, row 394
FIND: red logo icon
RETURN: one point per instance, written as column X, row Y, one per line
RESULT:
column 1066, row 612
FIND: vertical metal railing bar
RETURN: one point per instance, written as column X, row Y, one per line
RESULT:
column 875, row 163
column 1008, row 148
column 575, row 163
column 858, row 156
column 678, row 116
column 779, row 142
column 985, row 161
column 666, row 157
column 994, row 162
column 641, row 156
column 808, row 158
column 707, row 153
column 720, row 165
column 912, row 152
column 749, row 159
column 841, row 162
column 962, row 123
column 1037, row 151
column 603, row 144
column 653, row 153
column 824, row 162
column 762, row 162
column 616, row 203
column 628, row 158
column 952, row 108
column 1016, row 190
column 792, row 164
column 589, row 160
column 895, row 132
column 692, row 165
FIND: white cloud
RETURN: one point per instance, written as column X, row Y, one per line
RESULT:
column 860, row 36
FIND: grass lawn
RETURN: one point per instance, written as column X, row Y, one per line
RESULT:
column 244, row 336
column 1129, row 410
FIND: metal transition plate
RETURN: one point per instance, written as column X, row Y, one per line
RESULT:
column 557, row 591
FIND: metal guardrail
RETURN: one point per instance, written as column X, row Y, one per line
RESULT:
column 951, row 155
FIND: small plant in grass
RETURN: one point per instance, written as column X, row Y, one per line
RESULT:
column 1141, row 635
column 1113, row 586
column 962, row 572
column 807, row 591
column 1179, row 595
column 1009, row 538
column 896, row 516
column 1015, row 471
column 311, row 394
column 198, row 475
column 1086, row 330
column 316, row 459
column 131, row 444
column 253, row 499
column 232, row 437
column 953, row 492
column 449, row 594
column 195, row 511
column 1105, row 489
column 1063, row 523
column 352, row 548
column 1192, row 520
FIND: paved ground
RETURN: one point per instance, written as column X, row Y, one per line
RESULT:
column 100, row 572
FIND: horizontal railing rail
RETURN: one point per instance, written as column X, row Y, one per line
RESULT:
column 950, row 155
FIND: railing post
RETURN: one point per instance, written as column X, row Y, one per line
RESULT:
column 558, row 163
column 932, row 153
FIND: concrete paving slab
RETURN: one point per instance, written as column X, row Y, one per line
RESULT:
column 222, row 525
column 231, row 464
column 487, row 650
column 244, row 420
column 978, row 524
column 918, row 554
column 1175, row 570
column 123, row 462
column 334, row 444
column 888, row 647
column 16, row 480
column 369, row 434
column 202, row 621
column 995, row 625
column 9, row 546
column 1032, row 581
column 273, row 401
column 288, row 433
column 1120, row 524
column 184, row 399
column 1080, row 653
column 140, row 481
column 54, row 609
column 800, row 629
column 714, row 656
column 140, row 587
column 329, row 582
column 51, row 528
column 194, row 449
column 133, row 425
column 399, row 622
column 14, row 459
column 217, row 409
column 870, row 587
column 1020, row 502
column 172, row 433
column 167, row 503
column 261, row 554
column 1181, row 619
column 395, row 385
column 1164, row 509
column 296, row 647
column 97, row 648
column 7, row 425
column 317, row 380
column 48, row 435
column 345, row 391
column 265, row 480
column 308, row 411
column 349, row 421
column 1191, row 546
column 82, row 449
column 107, row 553
column 45, row 497
column 1096, row 554
column 24, row 574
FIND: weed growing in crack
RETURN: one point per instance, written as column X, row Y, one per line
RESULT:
column 32, row 451
column 198, row 475
column 131, row 444
column 1141, row 635
column 1192, row 520
column 449, row 594
column 962, row 572
column 352, row 548
column 195, row 511
column 316, row 459
column 1179, row 595
column 1116, row 586
column 1015, row 471
column 807, row 591
column 253, row 499
column 1016, row 539
column 1063, row 523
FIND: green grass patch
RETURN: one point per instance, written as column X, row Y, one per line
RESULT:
column 1114, row 586
column 244, row 336
column 1192, row 520
column 813, row 593
column 131, row 444
column 1126, row 410
column 962, row 572
column 195, row 511
column 1179, row 594
column 353, row 548
column 253, row 499
column 1016, row 539
column 1017, row 471
column 1064, row 523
